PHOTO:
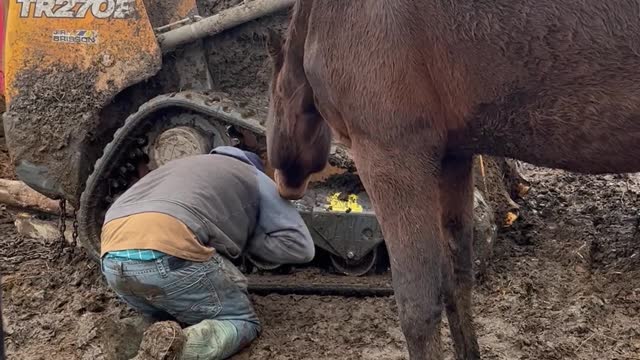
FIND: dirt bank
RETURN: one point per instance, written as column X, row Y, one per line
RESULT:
column 565, row 284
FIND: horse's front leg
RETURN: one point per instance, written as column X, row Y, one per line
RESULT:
column 404, row 187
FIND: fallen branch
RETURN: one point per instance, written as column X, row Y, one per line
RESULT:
column 18, row 194
column 221, row 21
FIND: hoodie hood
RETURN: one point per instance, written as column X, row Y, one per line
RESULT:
column 244, row 156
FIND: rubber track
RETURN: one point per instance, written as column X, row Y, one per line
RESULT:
column 88, row 204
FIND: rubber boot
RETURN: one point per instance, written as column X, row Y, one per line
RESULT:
column 210, row 340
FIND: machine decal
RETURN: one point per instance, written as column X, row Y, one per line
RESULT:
column 77, row 9
column 75, row 36
column 351, row 205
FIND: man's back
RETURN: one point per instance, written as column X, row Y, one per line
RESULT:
column 215, row 196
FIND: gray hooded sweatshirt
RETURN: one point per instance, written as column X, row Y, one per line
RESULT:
column 227, row 203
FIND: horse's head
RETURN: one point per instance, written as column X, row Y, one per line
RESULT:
column 298, row 139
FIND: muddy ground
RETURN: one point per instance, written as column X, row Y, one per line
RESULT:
column 564, row 284
column 6, row 167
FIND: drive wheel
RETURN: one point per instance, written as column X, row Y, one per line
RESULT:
column 182, row 135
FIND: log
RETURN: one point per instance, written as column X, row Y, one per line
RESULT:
column 31, row 226
column 18, row 194
column 220, row 22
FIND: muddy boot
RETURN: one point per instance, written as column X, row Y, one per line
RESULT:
column 162, row 341
column 211, row 340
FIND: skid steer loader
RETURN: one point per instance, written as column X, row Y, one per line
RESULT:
column 98, row 89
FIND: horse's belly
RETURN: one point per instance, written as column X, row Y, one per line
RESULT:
column 589, row 146
column 598, row 156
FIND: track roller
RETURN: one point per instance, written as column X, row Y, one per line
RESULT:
column 358, row 267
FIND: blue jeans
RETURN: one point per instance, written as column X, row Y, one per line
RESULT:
column 188, row 292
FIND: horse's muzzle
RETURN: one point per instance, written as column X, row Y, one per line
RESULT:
column 288, row 192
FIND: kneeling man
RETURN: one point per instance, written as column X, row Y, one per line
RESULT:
column 166, row 242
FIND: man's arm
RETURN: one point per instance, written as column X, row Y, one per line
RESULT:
column 281, row 236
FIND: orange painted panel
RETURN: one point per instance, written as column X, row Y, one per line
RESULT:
column 111, row 38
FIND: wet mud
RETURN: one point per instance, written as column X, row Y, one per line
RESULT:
column 237, row 58
column 7, row 170
column 47, row 124
column 564, row 283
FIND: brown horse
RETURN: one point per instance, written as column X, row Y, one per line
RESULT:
column 416, row 88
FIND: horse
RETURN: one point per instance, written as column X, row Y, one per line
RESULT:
column 416, row 89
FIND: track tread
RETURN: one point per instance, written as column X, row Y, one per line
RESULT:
column 98, row 170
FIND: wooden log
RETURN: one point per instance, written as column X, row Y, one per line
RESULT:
column 31, row 226
column 222, row 21
column 18, row 194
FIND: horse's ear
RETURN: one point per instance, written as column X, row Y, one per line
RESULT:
column 274, row 47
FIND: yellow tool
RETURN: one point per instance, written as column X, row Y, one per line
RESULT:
column 351, row 205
